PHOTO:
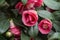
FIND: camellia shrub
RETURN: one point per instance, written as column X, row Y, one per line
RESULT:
column 29, row 19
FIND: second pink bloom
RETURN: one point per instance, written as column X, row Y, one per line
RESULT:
column 45, row 26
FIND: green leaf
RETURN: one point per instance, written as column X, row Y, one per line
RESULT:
column 34, row 31
column 56, row 22
column 39, row 8
column 50, row 34
column 56, row 25
column 31, row 32
column 57, row 15
column 24, row 1
column 24, row 36
column 4, row 23
column 2, row 38
column 53, row 4
column 45, row 14
column 55, row 36
column 1, row 2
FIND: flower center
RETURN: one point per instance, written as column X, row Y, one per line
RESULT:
column 45, row 26
column 30, row 19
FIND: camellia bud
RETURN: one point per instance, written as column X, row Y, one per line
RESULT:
column 15, row 30
column 8, row 34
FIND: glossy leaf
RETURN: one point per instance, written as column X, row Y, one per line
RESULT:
column 45, row 14
column 53, row 4
column 24, row 36
column 57, row 15
column 56, row 25
column 55, row 36
column 34, row 31
column 31, row 32
column 4, row 23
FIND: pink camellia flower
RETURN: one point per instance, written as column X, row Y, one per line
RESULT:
column 45, row 26
column 30, row 6
column 36, row 3
column 20, row 7
column 14, row 29
column 29, row 17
